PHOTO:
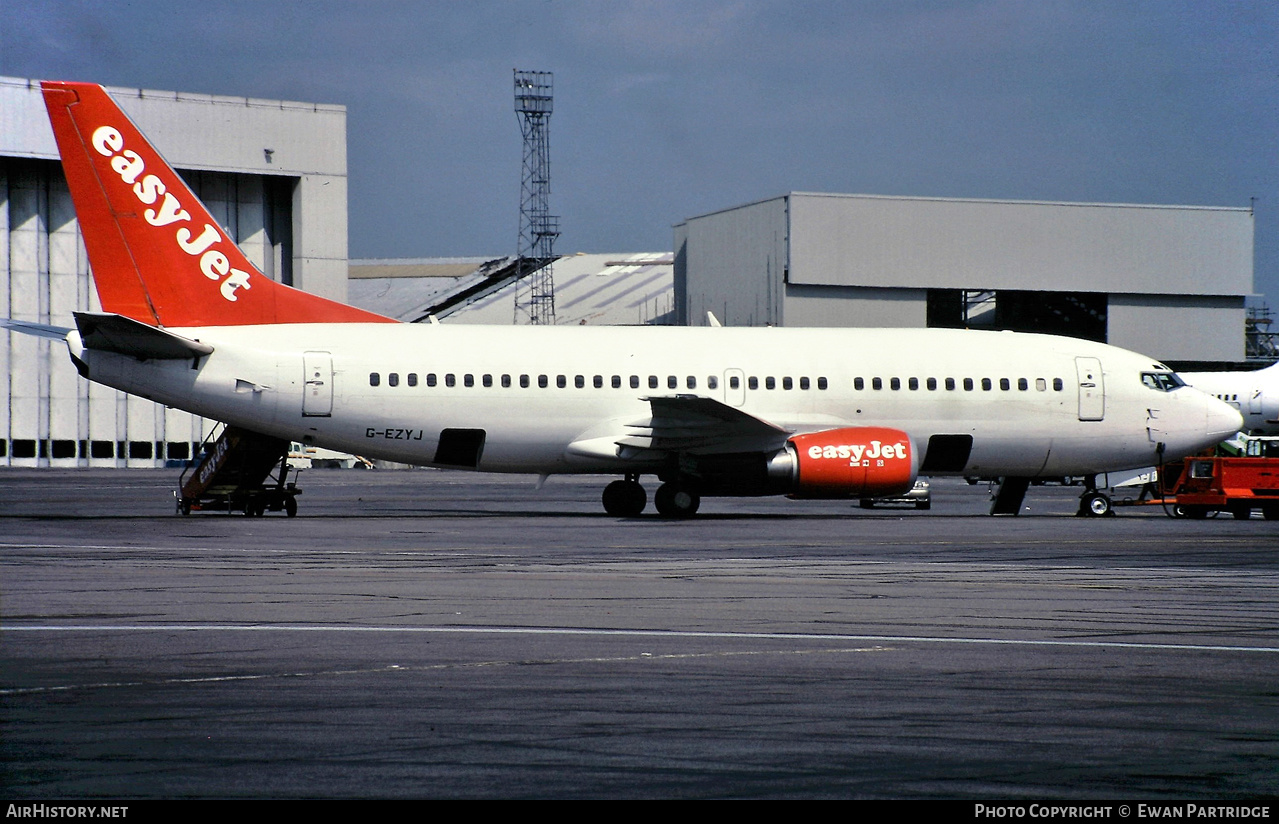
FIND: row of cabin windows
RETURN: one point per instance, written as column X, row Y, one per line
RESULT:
column 597, row 381
column 969, row 384
column 712, row 382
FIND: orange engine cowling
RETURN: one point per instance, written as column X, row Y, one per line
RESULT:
column 855, row 462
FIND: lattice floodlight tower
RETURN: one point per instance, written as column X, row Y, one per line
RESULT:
column 535, row 284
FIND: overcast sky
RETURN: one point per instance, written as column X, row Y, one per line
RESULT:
column 674, row 108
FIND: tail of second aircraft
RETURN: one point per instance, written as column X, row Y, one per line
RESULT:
column 156, row 253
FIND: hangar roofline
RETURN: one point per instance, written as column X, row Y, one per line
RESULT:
column 993, row 201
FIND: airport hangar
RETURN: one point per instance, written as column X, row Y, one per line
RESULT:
column 1167, row 281
column 272, row 172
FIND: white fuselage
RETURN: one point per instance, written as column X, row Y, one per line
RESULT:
column 1053, row 407
column 1254, row 394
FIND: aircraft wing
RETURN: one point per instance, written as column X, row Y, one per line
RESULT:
column 689, row 423
column 125, row 336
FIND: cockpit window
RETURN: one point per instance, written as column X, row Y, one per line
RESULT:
column 1162, row 381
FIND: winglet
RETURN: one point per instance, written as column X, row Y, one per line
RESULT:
column 156, row 253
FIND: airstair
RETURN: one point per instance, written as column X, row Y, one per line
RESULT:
column 239, row 471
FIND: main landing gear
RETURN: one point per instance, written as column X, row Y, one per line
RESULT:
column 627, row 499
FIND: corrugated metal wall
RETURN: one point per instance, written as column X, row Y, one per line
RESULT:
column 49, row 415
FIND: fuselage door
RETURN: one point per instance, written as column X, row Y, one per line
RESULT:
column 734, row 387
column 317, row 390
column 1092, row 390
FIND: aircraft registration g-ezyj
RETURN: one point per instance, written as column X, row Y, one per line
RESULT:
column 812, row 413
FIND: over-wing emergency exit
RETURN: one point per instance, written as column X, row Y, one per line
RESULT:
column 815, row 413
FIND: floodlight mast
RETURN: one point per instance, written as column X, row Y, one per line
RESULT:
column 535, row 281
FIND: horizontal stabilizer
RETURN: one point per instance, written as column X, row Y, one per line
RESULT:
column 116, row 333
column 26, row 327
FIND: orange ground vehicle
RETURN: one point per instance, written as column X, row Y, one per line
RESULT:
column 1201, row 485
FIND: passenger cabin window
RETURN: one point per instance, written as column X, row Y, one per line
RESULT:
column 712, row 382
column 1023, row 384
column 986, row 385
column 895, row 384
column 932, row 384
column 449, row 379
column 523, row 381
column 968, row 384
column 374, row 379
column 770, row 383
column 1058, row 385
column 859, row 384
column 912, row 384
column 876, row 384
column 468, row 379
column 430, row 379
column 803, row 383
column 690, row 382
column 393, row 379
column 752, row 382
column 1004, row 384
column 950, row 384
column 821, row 383
column 635, row 381
column 652, row 381
column 734, row 382
column 412, row 379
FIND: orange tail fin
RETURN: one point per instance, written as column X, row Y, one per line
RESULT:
column 157, row 254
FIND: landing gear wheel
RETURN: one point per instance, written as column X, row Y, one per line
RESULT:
column 291, row 506
column 1095, row 504
column 675, row 501
column 624, row 499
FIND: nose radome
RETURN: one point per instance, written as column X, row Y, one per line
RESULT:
column 1223, row 419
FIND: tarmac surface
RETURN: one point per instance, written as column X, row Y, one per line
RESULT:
column 422, row 634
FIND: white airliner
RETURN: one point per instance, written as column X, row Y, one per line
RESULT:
column 1254, row 394
column 187, row 321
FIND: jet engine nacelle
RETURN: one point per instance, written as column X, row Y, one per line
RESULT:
column 855, row 462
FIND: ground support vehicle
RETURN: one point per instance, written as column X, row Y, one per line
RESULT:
column 240, row 471
column 1199, row 486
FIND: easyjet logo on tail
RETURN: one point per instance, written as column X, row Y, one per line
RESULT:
column 167, row 210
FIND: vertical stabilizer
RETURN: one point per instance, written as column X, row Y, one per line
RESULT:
column 157, row 254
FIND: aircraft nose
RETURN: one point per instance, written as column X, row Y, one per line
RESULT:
column 1223, row 420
